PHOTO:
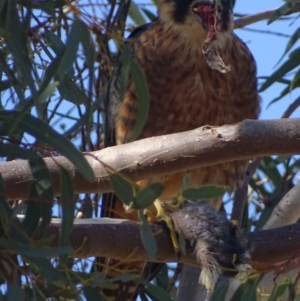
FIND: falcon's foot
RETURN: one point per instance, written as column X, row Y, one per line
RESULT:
column 162, row 215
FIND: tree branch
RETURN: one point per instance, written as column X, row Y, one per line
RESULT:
column 88, row 236
column 163, row 155
column 265, row 15
column 287, row 211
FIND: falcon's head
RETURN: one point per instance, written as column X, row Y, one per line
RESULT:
column 200, row 24
column 206, row 15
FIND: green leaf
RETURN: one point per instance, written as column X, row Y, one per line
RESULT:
column 32, row 217
column 292, row 41
column 68, row 90
column 14, row 291
column 47, row 92
column 55, row 43
column 148, row 195
column 16, row 41
column 92, row 293
column 45, row 133
column 41, row 191
column 89, row 51
column 16, row 151
column 297, row 298
column 182, row 243
column 219, row 293
column 125, row 68
column 269, row 166
column 124, row 277
column 44, row 267
column 283, row 93
column 143, row 296
column 204, row 192
column 247, row 291
column 123, row 189
column 66, row 56
column 2, row 5
column 162, row 278
column 147, row 236
column 71, row 49
column 32, row 252
column 42, row 185
column 278, row 291
column 185, row 182
column 88, row 46
column 5, row 209
column 152, row 17
column 47, row 5
column 289, row 65
column 157, row 292
column 142, row 92
column 135, row 14
column 295, row 81
column 68, row 208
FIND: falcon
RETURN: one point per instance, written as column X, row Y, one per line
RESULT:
column 198, row 73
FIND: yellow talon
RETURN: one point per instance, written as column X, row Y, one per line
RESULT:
column 161, row 215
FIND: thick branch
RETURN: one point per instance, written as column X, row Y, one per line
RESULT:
column 121, row 239
column 165, row 155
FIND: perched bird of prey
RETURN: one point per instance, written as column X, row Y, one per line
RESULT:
column 198, row 73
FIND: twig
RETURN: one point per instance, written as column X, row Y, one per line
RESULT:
column 265, row 15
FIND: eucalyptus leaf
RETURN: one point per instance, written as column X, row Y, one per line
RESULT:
column 17, row 42
column 204, row 192
column 135, row 14
column 158, row 292
column 45, row 133
column 278, row 291
column 14, row 291
column 147, row 236
column 148, row 195
column 68, row 208
column 286, row 67
column 26, row 250
column 123, row 189
column 142, row 92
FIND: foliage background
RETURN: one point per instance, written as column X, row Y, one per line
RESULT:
column 45, row 42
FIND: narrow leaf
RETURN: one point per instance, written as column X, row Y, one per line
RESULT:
column 158, row 292
column 143, row 98
column 148, row 195
column 17, row 43
column 71, row 50
column 41, row 189
column 45, row 133
column 278, row 291
column 68, row 208
column 147, row 236
column 286, row 67
column 123, row 70
column 204, row 192
column 5, row 209
column 122, row 188
column 135, row 14
column 26, row 250
column 16, row 151
column 14, row 291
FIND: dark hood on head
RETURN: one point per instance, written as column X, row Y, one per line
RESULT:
column 182, row 8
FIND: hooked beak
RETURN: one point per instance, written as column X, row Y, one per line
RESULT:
column 213, row 16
